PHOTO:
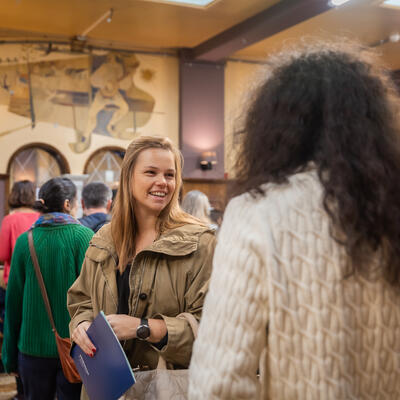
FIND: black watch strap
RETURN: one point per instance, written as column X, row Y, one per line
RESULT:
column 144, row 321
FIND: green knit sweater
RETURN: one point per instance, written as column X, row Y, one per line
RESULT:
column 60, row 250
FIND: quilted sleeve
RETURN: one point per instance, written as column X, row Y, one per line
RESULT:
column 232, row 331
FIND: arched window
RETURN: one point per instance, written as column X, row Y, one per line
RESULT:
column 104, row 165
column 37, row 162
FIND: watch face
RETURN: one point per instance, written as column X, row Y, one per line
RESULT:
column 143, row 332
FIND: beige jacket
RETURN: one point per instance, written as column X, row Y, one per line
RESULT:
column 167, row 278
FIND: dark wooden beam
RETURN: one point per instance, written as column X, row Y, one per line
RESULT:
column 274, row 19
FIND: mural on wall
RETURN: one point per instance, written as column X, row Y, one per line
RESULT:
column 93, row 94
column 117, row 107
column 15, row 92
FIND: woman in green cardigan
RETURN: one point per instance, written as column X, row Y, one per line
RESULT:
column 29, row 347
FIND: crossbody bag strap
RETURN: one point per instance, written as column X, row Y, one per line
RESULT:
column 40, row 280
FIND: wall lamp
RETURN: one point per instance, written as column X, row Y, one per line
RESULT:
column 207, row 160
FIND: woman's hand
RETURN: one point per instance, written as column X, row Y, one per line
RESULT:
column 123, row 325
column 80, row 337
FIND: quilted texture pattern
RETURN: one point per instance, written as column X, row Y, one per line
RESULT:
column 277, row 266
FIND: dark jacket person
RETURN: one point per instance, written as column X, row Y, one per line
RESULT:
column 96, row 203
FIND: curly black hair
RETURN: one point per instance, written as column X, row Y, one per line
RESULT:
column 333, row 107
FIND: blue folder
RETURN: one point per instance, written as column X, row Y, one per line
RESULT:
column 107, row 375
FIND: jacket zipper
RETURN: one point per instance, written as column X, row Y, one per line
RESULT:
column 137, row 297
column 108, row 284
column 139, row 290
column 105, row 278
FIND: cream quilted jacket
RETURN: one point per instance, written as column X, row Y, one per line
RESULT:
column 276, row 267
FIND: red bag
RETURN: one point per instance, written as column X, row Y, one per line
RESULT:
column 67, row 363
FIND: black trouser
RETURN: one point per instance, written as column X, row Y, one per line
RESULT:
column 43, row 378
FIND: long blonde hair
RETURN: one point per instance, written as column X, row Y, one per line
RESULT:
column 123, row 222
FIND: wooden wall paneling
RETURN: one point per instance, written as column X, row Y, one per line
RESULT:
column 216, row 190
column 4, row 190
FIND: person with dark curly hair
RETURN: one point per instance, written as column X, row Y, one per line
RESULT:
column 307, row 266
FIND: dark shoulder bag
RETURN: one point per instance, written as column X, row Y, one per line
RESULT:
column 63, row 344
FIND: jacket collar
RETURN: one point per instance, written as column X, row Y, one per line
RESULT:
column 180, row 241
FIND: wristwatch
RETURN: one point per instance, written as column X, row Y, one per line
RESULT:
column 143, row 330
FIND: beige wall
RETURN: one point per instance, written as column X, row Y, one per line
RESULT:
column 164, row 121
column 240, row 80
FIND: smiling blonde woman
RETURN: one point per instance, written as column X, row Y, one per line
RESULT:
column 150, row 264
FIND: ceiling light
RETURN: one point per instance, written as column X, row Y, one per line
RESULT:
column 391, row 3
column 337, row 3
column 109, row 19
column 394, row 37
column 190, row 3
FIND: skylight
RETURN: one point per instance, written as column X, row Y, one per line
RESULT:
column 391, row 3
column 190, row 3
column 337, row 3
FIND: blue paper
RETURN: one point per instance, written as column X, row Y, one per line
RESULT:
column 107, row 375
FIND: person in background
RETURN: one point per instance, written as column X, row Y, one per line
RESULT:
column 19, row 220
column 307, row 265
column 29, row 347
column 169, row 251
column 96, row 203
column 216, row 217
column 196, row 203
column 114, row 191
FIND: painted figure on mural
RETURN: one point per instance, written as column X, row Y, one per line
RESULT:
column 115, row 94
column 88, row 93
